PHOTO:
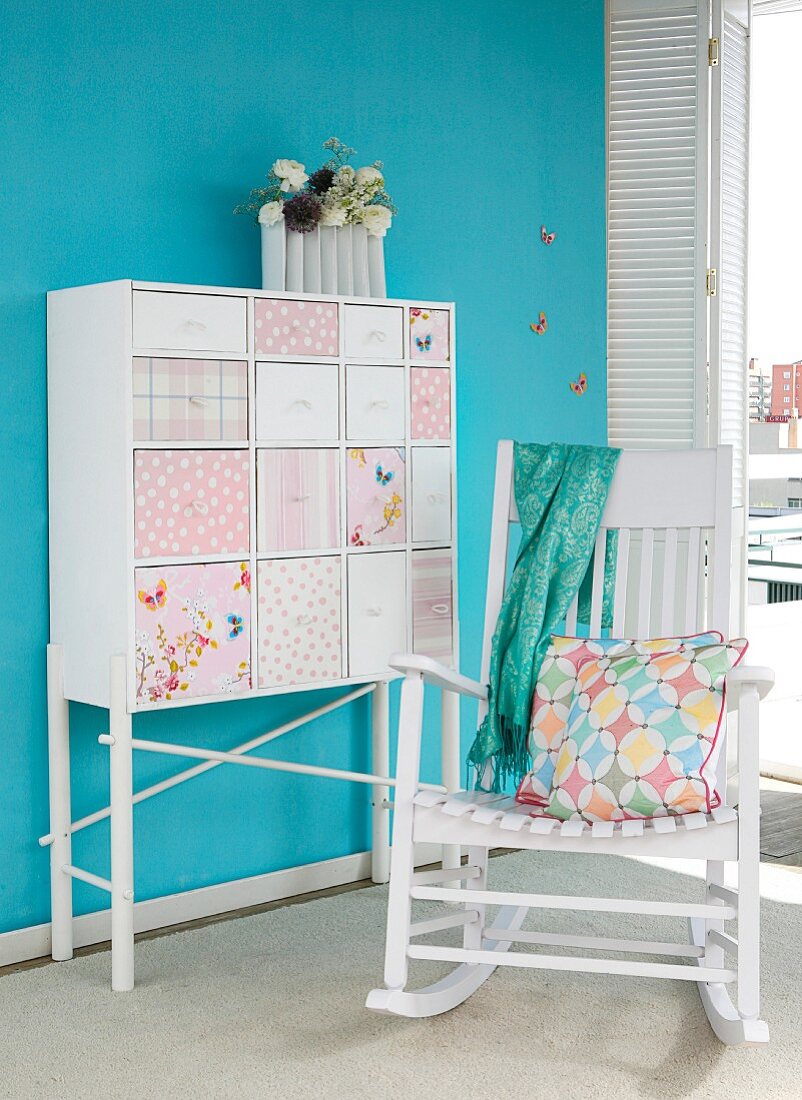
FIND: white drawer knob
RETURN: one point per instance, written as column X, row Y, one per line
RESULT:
column 381, row 404
column 440, row 608
column 378, row 334
column 435, row 498
column 307, row 404
column 200, row 507
column 300, row 500
column 374, row 611
column 304, row 620
column 199, row 325
column 296, row 324
column 202, row 401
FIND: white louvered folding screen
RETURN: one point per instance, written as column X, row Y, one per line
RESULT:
column 657, row 223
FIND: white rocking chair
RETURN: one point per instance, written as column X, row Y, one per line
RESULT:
column 673, row 514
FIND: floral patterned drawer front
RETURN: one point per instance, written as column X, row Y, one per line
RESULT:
column 431, row 402
column 190, row 502
column 299, row 621
column 298, row 504
column 432, row 604
column 428, row 334
column 376, row 492
column 192, row 631
column 190, row 398
column 295, row 328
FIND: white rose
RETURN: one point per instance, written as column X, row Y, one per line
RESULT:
column 366, row 176
column 291, row 173
column 332, row 215
column 377, row 220
column 271, row 213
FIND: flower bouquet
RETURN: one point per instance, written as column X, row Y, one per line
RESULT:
column 323, row 232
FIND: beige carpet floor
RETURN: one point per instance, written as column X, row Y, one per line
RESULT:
column 272, row 1006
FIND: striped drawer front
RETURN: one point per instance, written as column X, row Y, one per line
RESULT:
column 298, row 505
column 203, row 399
column 432, row 602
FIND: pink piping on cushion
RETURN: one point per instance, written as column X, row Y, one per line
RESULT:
column 714, row 742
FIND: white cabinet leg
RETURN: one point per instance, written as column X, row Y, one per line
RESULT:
column 451, row 761
column 122, row 833
column 58, row 748
column 380, row 763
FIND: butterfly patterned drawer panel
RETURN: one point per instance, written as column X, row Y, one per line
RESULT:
column 189, row 322
column 432, row 604
column 299, row 621
column 428, row 334
column 430, row 402
column 297, row 401
column 190, row 502
column 376, row 495
column 431, row 494
column 296, row 328
column 374, row 402
column 192, row 399
column 377, row 610
column 192, row 631
column 298, row 499
column 374, row 332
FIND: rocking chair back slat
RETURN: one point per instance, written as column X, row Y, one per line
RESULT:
column 597, row 599
column 645, row 587
column 669, row 581
column 692, row 621
column 570, row 618
column 621, row 574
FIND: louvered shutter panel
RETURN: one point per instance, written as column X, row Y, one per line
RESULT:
column 657, row 223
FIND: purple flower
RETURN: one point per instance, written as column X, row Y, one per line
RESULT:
column 321, row 181
column 302, row 212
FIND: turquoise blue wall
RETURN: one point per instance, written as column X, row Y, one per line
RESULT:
column 128, row 133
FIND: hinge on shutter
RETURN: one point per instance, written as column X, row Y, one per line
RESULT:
column 711, row 284
column 712, row 52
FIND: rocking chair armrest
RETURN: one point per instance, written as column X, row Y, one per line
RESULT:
column 439, row 675
column 762, row 678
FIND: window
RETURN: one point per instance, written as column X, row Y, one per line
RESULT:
column 787, row 400
column 795, row 502
column 786, row 374
column 786, row 387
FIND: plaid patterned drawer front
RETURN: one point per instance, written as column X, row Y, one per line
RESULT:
column 432, row 604
column 190, row 399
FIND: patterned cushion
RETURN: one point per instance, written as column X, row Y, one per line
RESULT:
column 554, row 694
column 643, row 735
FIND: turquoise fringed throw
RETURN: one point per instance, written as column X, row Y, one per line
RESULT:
column 560, row 490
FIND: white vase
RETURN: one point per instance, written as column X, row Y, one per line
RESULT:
column 329, row 260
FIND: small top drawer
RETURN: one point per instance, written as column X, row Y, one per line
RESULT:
column 374, row 332
column 287, row 327
column 189, row 322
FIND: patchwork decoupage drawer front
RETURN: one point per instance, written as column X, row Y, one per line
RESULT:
column 430, row 402
column 192, row 631
column 432, row 604
column 374, row 332
column 189, row 322
column 299, row 621
column 374, row 402
column 377, row 610
column 376, row 495
column 298, row 499
column 297, row 401
column 190, row 502
column 296, row 328
column 177, row 399
column 431, row 494
column 428, row 334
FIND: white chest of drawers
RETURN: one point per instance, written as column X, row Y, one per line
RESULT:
column 250, row 493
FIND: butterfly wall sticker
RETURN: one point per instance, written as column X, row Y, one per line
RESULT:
column 383, row 476
column 546, row 237
column 235, row 625
column 540, row 325
column 155, row 599
column 580, row 386
column 424, row 343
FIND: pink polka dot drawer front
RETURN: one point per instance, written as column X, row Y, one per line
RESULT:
column 299, row 621
column 295, row 328
column 190, row 502
column 430, row 396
